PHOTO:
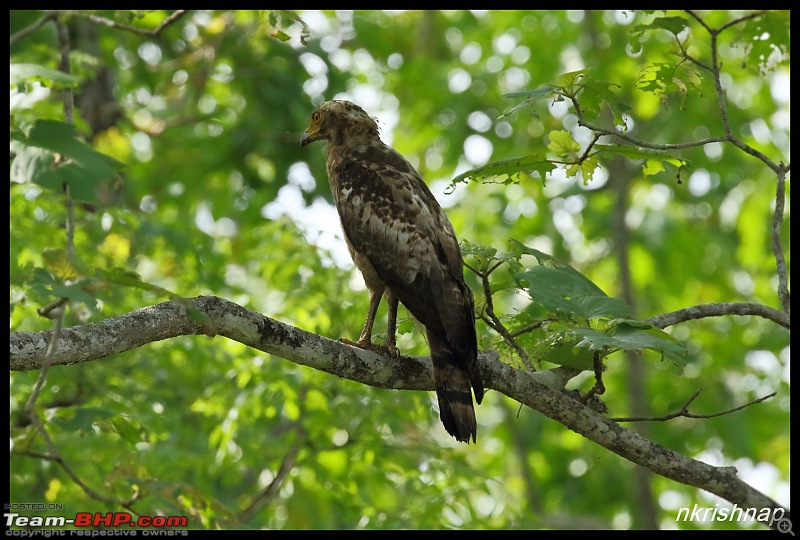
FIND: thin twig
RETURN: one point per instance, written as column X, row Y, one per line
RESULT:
column 684, row 411
column 47, row 17
column 67, row 98
column 595, row 137
column 48, row 358
column 491, row 319
column 97, row 19
column 48, row 309
column 777, row 248
column 715, row 76
column 529, row 328
column 723, row 106
column 263, row 497
column 498, row 325
column 599, row 388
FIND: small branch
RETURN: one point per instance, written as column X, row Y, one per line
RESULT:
column 497, row 324
column 690, row 58
column 714, row 69
column 595, row 137
column 684, row 411
column 263, row 498
column 599, row 388
column 64, row 66
column 491, row 318
column 721, row 102
column 777, row 248
column 643, row 144
column 528, row 328
column 47, row 310
column 25, row 32
column 67, row 98
column 103, row 21
column 55, row 456
column 30, row 405
column 725, row 26
column 720, row 310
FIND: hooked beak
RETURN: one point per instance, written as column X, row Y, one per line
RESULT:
column 307, row 138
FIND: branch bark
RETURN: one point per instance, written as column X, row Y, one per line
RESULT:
column 541, row 390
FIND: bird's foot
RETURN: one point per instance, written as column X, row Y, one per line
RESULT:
column 384, row 350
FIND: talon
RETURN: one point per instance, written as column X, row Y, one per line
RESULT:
column 384, row 350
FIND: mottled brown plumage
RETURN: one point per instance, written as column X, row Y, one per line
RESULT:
column 406, row 249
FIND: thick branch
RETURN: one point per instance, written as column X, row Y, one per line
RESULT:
column 168, row 320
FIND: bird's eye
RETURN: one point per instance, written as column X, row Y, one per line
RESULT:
column 315, row 117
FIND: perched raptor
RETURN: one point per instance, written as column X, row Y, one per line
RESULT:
column 406, row 249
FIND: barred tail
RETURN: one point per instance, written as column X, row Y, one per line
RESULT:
column 454, row 391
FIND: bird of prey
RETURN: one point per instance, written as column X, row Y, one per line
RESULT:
column 406, row 249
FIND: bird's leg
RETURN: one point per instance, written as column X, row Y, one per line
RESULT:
column 391, row 326
column 365, row 340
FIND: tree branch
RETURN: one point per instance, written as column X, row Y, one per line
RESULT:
column 721, row 309
column 225, row 318
column 684, row 411
column 47, row 17
column 103, row 21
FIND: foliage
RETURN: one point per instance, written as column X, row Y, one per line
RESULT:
column 595, row 139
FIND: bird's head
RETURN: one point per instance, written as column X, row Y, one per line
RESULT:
column 340, row 123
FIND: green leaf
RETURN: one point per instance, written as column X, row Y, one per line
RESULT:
column 562, row 144
column 633, row 336
column 84, row 170
column 21, row 73
column 77, row 293
column 569, row 81
column 29, row 162
column 585, row 284
column 656, row 78
column 586, row 167
column 532, row 96
column 594, row 93
column 508, row 169
column 667, row 78
column 59, row 264
column 653, row 161
column 562, row 291
column 129, row 429
column 81, row 418
column 562, row 350
column 127, row 278
column 280, row 35
column 766, row 39
column 674, row 25
column 475, row 250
